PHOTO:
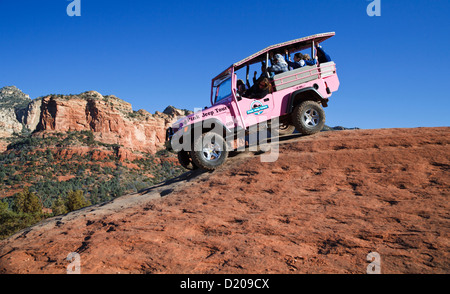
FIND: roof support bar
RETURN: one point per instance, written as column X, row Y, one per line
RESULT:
column 246, row 76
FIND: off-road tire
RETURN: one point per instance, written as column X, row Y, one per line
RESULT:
column 285, row 129
column 184, row 158
column 308, row 117
column 280, row 128
column 201, row 154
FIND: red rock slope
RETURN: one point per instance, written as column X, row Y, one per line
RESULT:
column 328, row 201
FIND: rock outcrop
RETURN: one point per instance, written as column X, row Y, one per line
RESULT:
column 12, row 103
column 32, row 114
column 9, row 123
column 111, row 119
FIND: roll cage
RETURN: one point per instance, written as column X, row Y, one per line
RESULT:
column 263, row 56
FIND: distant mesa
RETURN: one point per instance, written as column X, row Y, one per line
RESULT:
column 337, row 128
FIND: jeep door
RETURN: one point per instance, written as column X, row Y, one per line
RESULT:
column 255, row 110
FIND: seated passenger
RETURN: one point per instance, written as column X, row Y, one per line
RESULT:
column 263, row 88
column 300, row 60
column 240, row 87
column 308, row 60
column 322, row 55
column 249, row 92
column 263, row 74
column 279, row 65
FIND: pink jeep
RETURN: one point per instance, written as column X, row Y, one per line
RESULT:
column 204, row 138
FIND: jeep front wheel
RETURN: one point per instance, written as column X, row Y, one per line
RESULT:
column 308, row 117
column 209, row 151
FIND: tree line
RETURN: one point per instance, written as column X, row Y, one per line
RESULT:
column 26, row 209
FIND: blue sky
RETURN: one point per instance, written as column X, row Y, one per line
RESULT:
column 393, row 69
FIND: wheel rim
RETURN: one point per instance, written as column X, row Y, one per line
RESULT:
column 311, row 117
column 212, row 152
column 284, row 126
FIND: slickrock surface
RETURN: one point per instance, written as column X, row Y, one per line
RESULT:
column 328, row 201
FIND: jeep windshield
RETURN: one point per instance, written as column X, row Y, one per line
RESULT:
column 222, row 88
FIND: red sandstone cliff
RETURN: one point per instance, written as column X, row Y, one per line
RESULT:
column 111, row 119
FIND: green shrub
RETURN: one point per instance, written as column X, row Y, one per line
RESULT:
column 12, row 222
column 75, row 200
column 27, row 202
column 59, row 207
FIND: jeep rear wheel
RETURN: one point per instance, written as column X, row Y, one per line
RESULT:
column 308, row 117
column 209, row 151
column 280, row 128
column 285, row 129
column 185, row 160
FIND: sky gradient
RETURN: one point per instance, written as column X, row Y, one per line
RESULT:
column 393, row 68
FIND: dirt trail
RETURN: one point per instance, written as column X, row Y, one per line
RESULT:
column 328, row 201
